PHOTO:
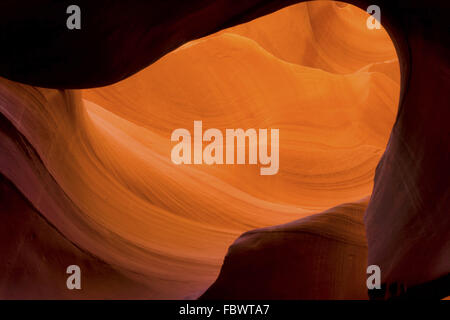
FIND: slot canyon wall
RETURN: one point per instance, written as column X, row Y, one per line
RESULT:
column 86, row 178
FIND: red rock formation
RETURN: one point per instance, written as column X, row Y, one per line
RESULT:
column 35, row 255
column 102, row 176
column 407, row 217
column 34, row 262
column 323, row 256
column 117, row 40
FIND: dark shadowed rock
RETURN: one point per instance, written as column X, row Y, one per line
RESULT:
column 323, row 256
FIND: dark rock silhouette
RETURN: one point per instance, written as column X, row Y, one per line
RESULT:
column 322, row 256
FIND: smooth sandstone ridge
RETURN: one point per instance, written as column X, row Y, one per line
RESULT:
column 95, row 163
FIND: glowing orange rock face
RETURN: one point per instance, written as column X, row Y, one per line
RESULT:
column 314, row 71
column 269, row 73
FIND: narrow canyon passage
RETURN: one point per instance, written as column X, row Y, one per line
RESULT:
column 95, row 162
